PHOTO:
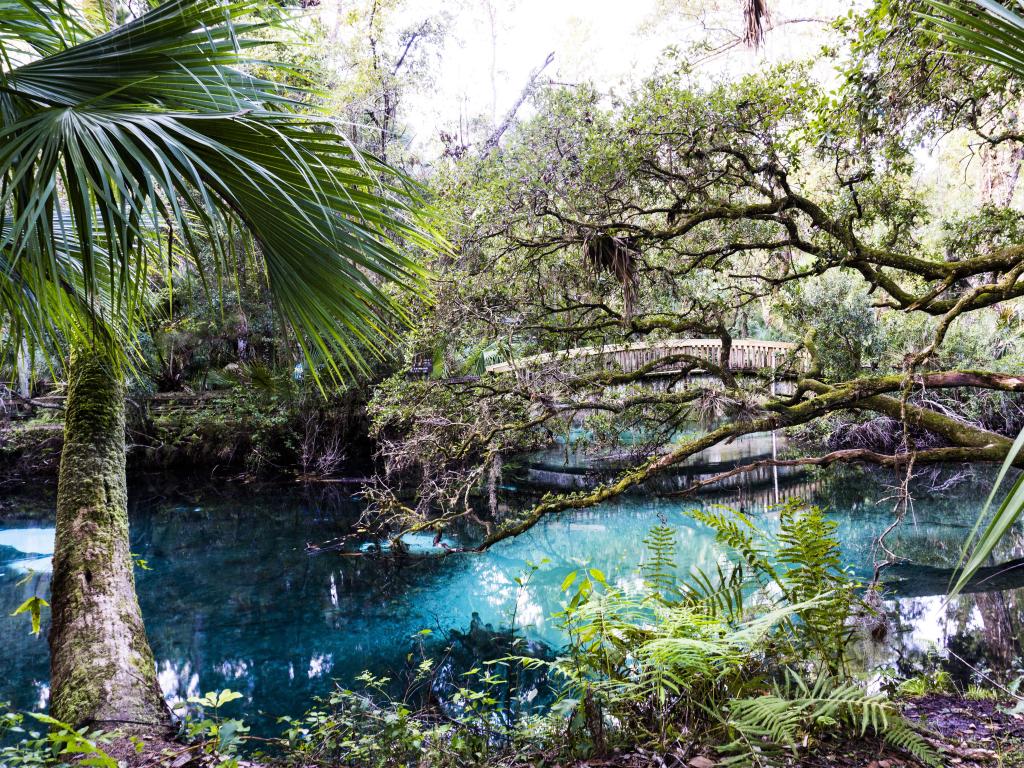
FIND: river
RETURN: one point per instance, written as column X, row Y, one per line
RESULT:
column 234, row 598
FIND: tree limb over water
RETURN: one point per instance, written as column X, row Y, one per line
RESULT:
column 760, row 209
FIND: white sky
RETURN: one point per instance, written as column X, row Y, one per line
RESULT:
column 614, row 43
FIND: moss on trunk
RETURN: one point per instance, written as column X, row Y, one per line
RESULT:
column 102, row 669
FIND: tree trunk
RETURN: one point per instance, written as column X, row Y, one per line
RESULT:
column 101, row 667
column 24, row 370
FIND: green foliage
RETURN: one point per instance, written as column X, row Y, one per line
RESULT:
column 219, row 736
column 659, row 569
column 979, row 693
column 842, row 318
column 978, row 548
column 802, row 563
column 921, row 685
column 994, row 35
column 100, row 166
column 795, row 711
column 753, row 659
column 61, row 746
column 370, row 728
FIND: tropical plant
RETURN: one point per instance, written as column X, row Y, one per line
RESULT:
column 143, row 145
column 979, row 548
column 794, row 709
column 992, row 33
column 61, row 746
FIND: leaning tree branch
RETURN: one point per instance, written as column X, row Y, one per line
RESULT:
column 969, row 443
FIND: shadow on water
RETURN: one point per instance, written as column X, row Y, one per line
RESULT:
column 911, row 580
column 233, row 598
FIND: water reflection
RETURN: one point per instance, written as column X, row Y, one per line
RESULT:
column 26, row 549
column 974, row 638
column 232, row 598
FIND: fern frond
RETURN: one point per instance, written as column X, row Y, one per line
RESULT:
column 722, row 596
column 737, row 532
column 904, row 738
column 659, row 567
column 795, row 710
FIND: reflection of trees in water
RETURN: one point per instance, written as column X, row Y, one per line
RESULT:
column 934, row 529
column 1000, row 628
column 849, row 486
column 234, row 598
column 982, row 632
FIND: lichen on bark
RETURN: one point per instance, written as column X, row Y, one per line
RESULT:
column 102, row 668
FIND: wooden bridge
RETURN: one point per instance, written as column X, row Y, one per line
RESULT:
column 745, row 355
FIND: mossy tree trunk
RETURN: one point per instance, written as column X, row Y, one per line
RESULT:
column 102, row 669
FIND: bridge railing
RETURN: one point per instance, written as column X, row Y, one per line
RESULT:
column 745, row 355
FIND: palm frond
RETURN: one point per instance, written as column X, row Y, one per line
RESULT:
column 37, row 28
column 153, row 132
column 994, row 34
column 185, row 55
column 973, row 556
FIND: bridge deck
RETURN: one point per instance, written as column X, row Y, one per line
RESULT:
column 745, row 355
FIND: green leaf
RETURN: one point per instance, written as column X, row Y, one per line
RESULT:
column 33, row 606
column 228, row 733
column 226, row 696
column 150, row 140
column 569, row 580
column 1006, row 515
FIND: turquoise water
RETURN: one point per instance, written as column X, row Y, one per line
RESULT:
column 233, row 597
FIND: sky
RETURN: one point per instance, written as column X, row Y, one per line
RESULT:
column 613, row 43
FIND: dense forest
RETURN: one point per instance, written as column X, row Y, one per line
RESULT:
column 390, row 383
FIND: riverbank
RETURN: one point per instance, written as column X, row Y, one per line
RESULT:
column 246, row 431
column 963, row 732
column 967, row 733
column 235, row 598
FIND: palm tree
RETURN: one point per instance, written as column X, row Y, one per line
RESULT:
column 119, row 151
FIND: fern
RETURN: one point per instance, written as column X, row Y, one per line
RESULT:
column 739, row 533
column 659, row 567
column 795, row 711
column 903, row 737
column 721, row 596
column 709, row 658
column 809, row 547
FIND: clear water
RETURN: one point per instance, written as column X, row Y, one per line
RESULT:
column 234, row 599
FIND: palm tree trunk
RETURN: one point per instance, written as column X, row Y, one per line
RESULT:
column 101, row 667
